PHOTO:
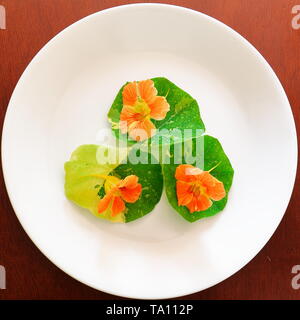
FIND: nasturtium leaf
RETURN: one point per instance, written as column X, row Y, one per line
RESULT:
column 84, row 188
column 184, row 110
column 213, row 156
column 81, row 186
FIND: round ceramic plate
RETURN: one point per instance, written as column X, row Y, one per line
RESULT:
column 61, row 101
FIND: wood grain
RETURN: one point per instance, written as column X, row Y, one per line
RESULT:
column 267, row 25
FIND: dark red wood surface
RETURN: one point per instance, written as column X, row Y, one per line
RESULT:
column 267, row 25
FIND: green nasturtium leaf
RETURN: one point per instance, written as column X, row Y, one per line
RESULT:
column 85, row 189
column 213, row 156
column 184, row 110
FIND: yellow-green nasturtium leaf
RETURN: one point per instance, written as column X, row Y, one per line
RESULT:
column 83, row 187
column 184, row 111
column 81, row 184
column 214, row 157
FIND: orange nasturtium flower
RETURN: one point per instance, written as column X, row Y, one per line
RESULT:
column 140, row 104
column 117, row 191
column 195, row 188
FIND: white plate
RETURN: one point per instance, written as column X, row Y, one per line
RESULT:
column 62, row 100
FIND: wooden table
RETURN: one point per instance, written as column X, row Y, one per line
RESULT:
column 267, row 25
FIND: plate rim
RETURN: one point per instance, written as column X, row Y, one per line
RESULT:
column 234, row 33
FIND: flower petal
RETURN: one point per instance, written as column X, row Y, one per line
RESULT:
column 129, row 93
column 192, row 205
column 187, row 172
column 184, row 194
column 131, row 195
column 215, row 188
column 147, row 91
column 104, row 203
column 118, row 206
column 207, row 179
column 142, row 130
column 199, row 203
column 217, row 192
column 159, row 108
column 129, row 182
column 180, row 173
column 203, row 203
column 127, row 118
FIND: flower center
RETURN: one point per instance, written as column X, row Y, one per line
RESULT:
column 111, row 182
column 141, row 109
column 198, row 189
